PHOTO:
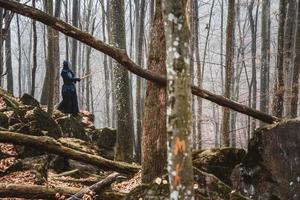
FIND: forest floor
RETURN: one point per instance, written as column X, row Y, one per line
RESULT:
column 28, row 177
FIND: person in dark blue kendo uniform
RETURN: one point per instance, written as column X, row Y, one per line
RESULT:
column 69, row 103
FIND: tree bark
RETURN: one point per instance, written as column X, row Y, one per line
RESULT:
column 75, row 20
column 124, row 146
column 229, row 69
column 34, row 58
column 253, row 84
column 51, row 60
column 288, row 50
column 154, row 138
column 50, row 145
column 139, row 61
column 1, row 46
column 265, row 57
column 56, row 55
column 295, row 85
column 121, row 56
column 199, row 74
column 179, row 104
column 277, row 107
column 9, row 68
column 19, row 56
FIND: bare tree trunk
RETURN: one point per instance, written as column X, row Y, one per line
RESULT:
column 154, row 139
column 45, row 90
column 67, row 20
column 34, row 59
column 253, row 27
column 277, row 107
column 1, row 46
column 139, row 56
column 179, row 117
column 51, row 59
column 106, row 69
column 75, row 21
column 88, row 54
column 19, row 56
column 56, row 55
column 124, row 146
column 229, row 69
column 10, row 79
column 193, row 15
column 265, row 57
column 289, row 36
column 295, row 85
column 199, row 74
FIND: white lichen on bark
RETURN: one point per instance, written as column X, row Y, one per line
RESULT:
column 179, row 118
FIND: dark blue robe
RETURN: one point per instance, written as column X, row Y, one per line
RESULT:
column 69, row 103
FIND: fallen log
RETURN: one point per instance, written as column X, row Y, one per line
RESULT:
column 121, row 56
column 97, row 187
column 48, row 144
column 49, row 193
column 34, row 191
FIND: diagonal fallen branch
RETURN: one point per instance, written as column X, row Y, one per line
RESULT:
column 48, row 144
column 121, row 56
column 97, row 187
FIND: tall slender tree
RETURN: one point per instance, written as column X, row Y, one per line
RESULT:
column 9, row 68
column 288, row 50
column 19, row 56
column 51, row 59
column 179, row 118
column 253, row 28
column 295, row 85
column 34, row 55
column 265, row 56
column 277, row 106
column 139, row 56
column 229, row 64
column 1, row 45
column 124, row 146
column 75, row 22
column 56, row 55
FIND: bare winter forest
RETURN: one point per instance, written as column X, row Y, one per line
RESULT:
column 185, row 99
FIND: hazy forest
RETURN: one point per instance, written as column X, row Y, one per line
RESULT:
column 156, row 99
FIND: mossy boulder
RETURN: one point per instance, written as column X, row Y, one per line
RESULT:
column 271, row 168
column 3, row 120
column 44, row 122
column 105, row 139
column 27, row 99
column 71, row 127
column 219, row 162
column 206, row 187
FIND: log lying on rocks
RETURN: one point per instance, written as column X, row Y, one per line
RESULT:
column 49, row 193
column 48, row 144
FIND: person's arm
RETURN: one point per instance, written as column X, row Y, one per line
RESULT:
column 66, row 75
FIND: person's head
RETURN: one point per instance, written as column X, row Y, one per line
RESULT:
column 66, row 64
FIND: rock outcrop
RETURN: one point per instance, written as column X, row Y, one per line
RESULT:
column 271, row 168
